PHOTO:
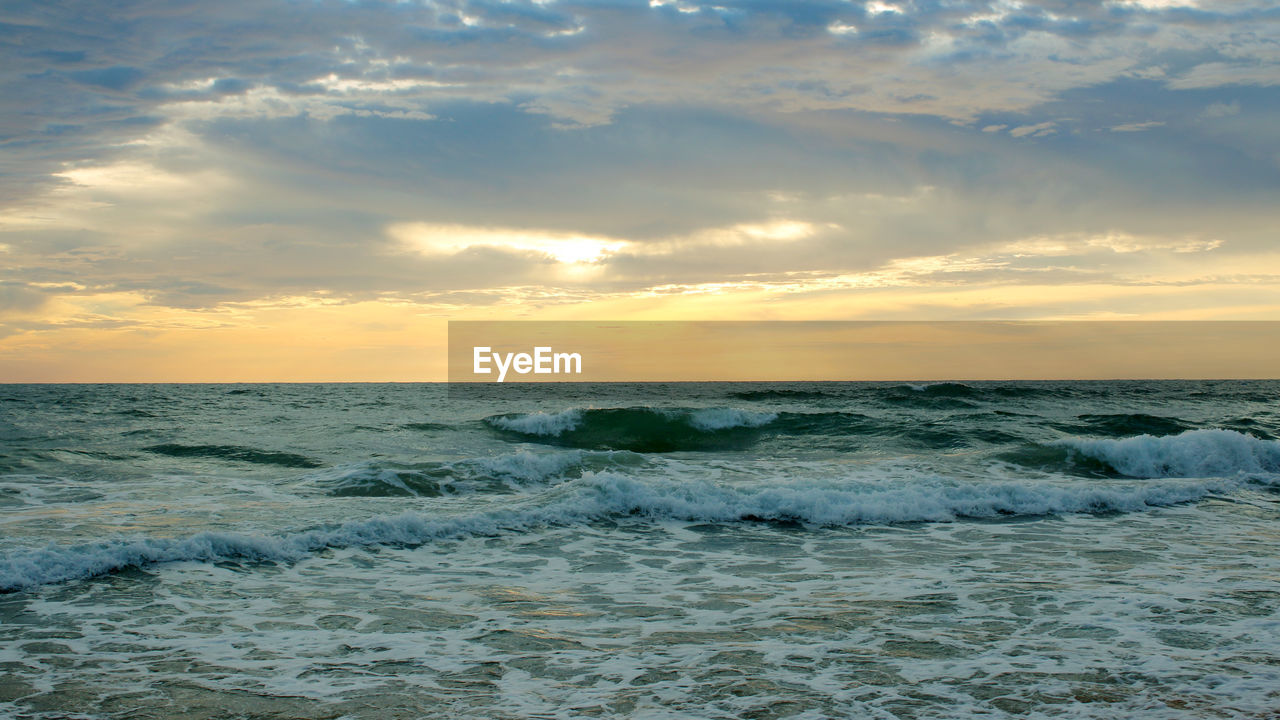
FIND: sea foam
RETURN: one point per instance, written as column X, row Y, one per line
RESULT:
column 539, row 423
column 640, row 429
column 508, row 472
column 611, row 495
column 1195, row 453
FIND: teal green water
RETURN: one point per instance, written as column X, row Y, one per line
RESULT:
column 687, row 550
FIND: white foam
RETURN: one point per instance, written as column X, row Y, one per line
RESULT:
column 669, row 620
column 55, row 563
column 531, row 467
column 602, row 495
column 1194, row 453
column 365, row 474
column 704, row 419
column 515, row 471
column 711, row 419
column 540, row 423
column 824, row 504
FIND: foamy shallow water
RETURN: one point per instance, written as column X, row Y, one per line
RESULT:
column 1170, row 612
column 463, row 573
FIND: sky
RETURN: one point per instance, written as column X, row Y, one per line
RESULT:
column 310, row 190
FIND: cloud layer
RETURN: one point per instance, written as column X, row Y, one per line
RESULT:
column 174, row 162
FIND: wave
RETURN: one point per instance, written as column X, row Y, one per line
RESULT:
column 936, row 396
column 925, row 394
column 612, row 496
column 371, row 479
column 1249, row 426
column 649, row 430
column 1194, row 453
column 43, row 490
column 1126, row 424
column 503, row 473
column 779, row 394
column 426, row 426
column 940, row 389
column 638, row 429
column 954, row 395
column 538, row 423
column 235, row 453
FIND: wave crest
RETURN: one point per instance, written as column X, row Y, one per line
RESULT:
column 502, row 473
column 1194, row 453
column 638, row 429
column 609, row 495
column 235, row 453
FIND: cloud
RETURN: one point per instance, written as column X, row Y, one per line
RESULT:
column 1137, row 126
column 433, row 239
column 1116, row 242
column 244, row 209
column 203, row 158
column 1217, row 74
column 1221, row 110
column 85, row 87
column 1037, row 130
column 18, row 298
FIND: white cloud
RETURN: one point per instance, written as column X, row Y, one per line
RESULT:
column 1221, row 109
column 875, row 7
column 1113, row 242
column 1159, row 4
column 1037, row 130
column 288, row 158
column 434, row 239
column 1217, row 74
column 572, row 248
column 1137, row 126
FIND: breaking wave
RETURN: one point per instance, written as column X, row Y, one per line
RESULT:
column 648, row 430
column 640, row 429
column 609, row 495
column 1194, row 453
column 503, row 473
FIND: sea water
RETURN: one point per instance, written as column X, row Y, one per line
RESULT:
column 816, row 550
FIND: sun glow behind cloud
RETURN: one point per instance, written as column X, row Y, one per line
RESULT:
column 196, row 189
column 433, row 239
column 570, row 248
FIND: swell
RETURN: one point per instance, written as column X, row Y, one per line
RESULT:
column 924, row 393
column 608, row 495
column 235, row 453
column 426, row 426
column 1125, row 424
column 513, row 472
column 638, row 429
column 954, row 395
column 781, row 394
column 655, row 430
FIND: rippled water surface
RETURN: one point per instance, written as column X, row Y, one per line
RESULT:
column 707, row 550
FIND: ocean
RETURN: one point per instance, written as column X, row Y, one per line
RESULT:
column 692, row 550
